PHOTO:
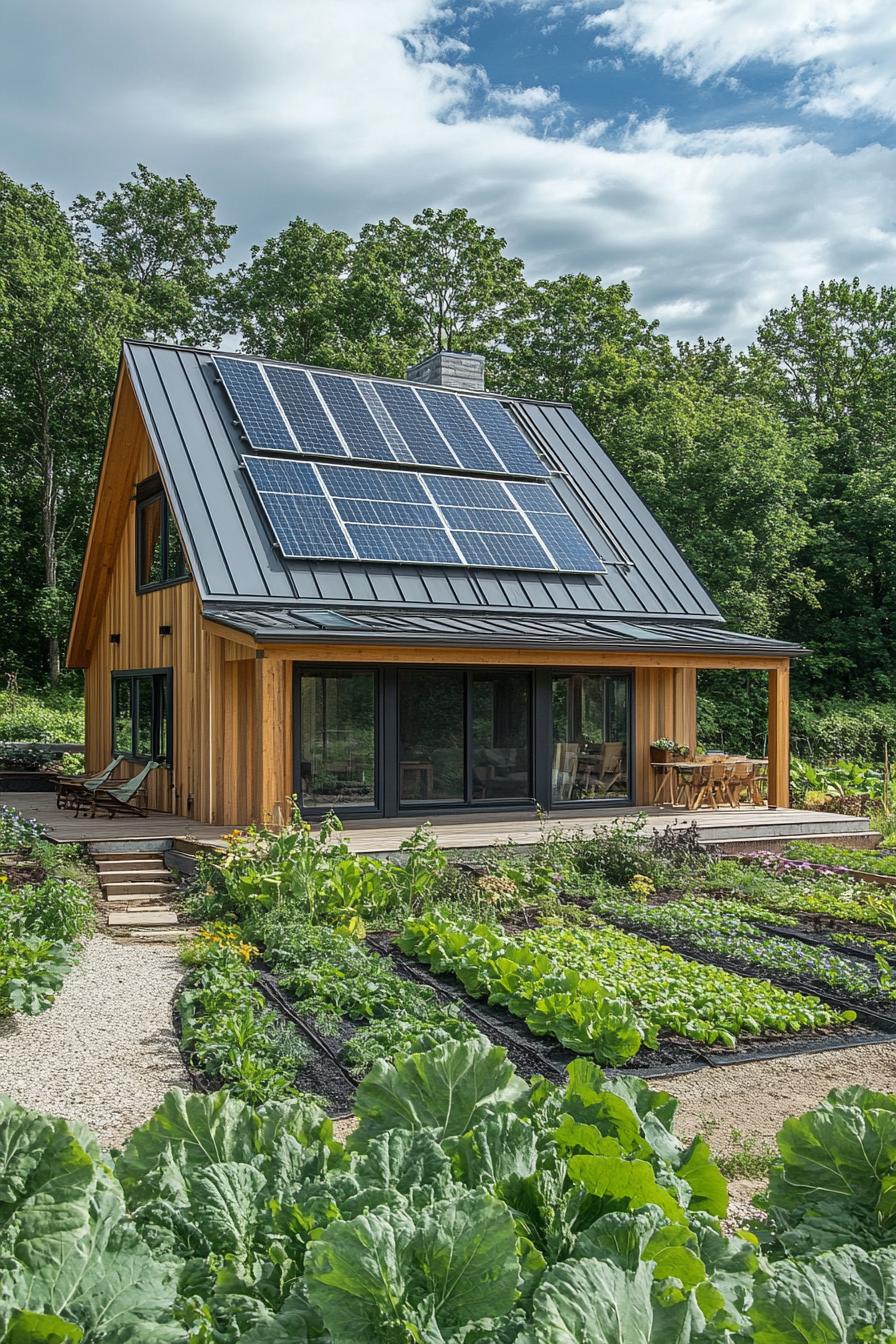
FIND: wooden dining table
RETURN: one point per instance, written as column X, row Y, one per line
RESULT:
column 668, row 789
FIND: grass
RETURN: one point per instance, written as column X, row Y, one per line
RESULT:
column 744, row 1159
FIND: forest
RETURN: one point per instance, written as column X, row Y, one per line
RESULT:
column 771, row 467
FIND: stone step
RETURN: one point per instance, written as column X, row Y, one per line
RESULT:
column 137, row 884
column 120, row 919
column 777, row 843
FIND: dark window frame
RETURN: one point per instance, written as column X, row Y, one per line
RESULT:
column 148, row 493
column 160, row 675
column 387, row 742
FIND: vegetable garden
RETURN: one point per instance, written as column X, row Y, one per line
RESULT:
column 468, row 1206
column 45, row 909
column 509, row 1177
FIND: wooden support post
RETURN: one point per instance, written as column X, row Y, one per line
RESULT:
column 273, row 740
column 779, row 736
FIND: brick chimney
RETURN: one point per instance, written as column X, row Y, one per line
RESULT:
column 450, row 368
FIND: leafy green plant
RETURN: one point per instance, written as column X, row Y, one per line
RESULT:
column 834, row 856
column 468, row 1207
column 39, row 930
column 605, row 992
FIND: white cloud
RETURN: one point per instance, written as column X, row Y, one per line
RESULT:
column 291, row 107
column 843, row 52
column 533, row 99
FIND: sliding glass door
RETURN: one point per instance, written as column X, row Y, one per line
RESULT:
column 392, row 740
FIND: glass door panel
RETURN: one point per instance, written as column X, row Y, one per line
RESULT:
column 501, row 746
column 338, row 739
column 590, row 714
column 431, row 718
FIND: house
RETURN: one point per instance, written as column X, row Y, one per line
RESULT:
column 387, row 597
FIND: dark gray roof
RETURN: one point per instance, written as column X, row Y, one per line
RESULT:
column 190, row 423
column 386, row 626
column 243, row 580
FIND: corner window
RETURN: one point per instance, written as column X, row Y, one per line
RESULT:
column 141, row 715
column 160, row 555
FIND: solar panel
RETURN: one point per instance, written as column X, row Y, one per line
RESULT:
column 386, row 425
column 461, row 431
column 356, row 425
column 284, row 409
column 302, row 407
column 515, row 451
column 251, row 397
column 338, row 511
column 418, row 430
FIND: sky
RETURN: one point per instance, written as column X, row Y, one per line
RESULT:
column 718, row 155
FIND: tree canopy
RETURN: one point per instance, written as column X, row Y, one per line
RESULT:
column 772, row 469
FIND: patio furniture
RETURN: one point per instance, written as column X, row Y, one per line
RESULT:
column 68, row 786
column 565, row 768
column 129, row 797
column 612, row 766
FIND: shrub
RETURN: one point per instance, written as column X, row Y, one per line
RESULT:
column 53, row 716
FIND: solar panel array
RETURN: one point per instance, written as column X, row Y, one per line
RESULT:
column 283, row 409
column 321, row 510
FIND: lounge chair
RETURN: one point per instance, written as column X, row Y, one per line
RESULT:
column 69, row 786
column 128, row 797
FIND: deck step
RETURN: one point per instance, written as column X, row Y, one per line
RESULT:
column 138, row 894
column 138, row 884
column 122, row 919
column 131, row 865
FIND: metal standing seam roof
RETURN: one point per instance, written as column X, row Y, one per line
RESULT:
column 243, row 581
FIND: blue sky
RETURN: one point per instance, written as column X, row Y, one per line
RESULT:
column 718, row 155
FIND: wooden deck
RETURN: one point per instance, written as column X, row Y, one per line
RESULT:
column 744, row 826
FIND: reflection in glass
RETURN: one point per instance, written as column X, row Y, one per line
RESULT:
column 590, row 714
column 338, row 732
column 431, row 735
column 175, row 563
column 143, row 687
column 124, row 727
column 151, row 541
column 501, row 736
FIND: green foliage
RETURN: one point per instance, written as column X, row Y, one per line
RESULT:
column 467, row 1208
column 310, row 875
column 832, row 856
column 840, row 779
column 55, row 715
column 834, row 1180
column 39, row 929
column 603, row 992
column 160, row 240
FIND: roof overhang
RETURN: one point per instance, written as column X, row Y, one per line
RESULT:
column 269, row 625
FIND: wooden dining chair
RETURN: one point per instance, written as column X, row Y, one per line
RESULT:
column 740, row 781
column 709, row 790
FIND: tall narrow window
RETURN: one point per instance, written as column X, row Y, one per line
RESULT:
column 501, row 736
column 141, row 715
column 160, row 555
column 338, row 739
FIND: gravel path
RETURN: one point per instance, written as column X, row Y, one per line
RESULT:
column 105, row 1052
column 756, row 1099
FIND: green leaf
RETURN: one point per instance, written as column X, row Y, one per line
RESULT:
column 623, row 1184
column 839, row 1297
column 498, row 1147
column 226, row 1203
column 380, row 1272
column 595, row 1302
column 446, row 1090
column 46, row 1180
column 31, row 1327
column 708, row 1185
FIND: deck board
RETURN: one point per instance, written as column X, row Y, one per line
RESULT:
column 384, row 836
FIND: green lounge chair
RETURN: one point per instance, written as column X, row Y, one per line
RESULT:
column 128, row 797
column 69, row 786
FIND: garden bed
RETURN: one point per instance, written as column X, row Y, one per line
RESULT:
column 675, row 1054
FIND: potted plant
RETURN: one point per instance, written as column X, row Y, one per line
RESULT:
column 664, row 749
